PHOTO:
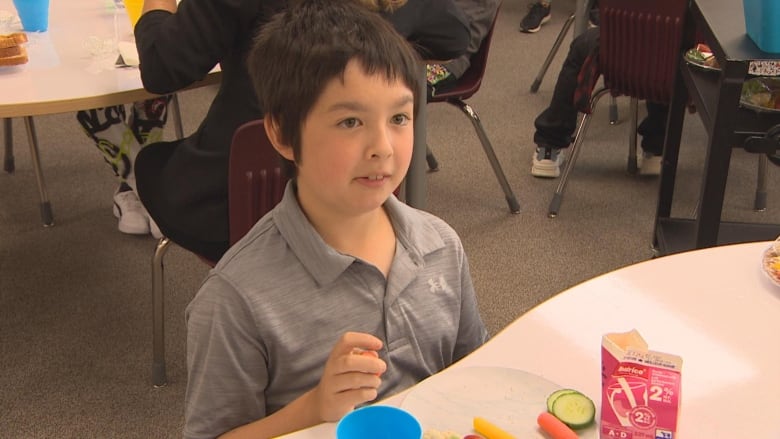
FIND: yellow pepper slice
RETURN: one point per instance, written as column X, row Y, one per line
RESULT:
column 489, row 430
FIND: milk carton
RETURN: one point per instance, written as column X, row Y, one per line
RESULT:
column 640, row 389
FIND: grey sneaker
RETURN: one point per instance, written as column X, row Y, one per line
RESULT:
column 649, row 163
column 547, row 162
column 538, row 14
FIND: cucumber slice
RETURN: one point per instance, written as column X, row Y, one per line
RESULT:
column 553, row 396
column 574, row 409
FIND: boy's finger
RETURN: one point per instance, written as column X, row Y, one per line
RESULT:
column 358, row 340
column 374, row 354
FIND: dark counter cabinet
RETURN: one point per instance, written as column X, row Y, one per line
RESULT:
column 716, row 98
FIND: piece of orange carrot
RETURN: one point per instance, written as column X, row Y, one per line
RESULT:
column 554, row 427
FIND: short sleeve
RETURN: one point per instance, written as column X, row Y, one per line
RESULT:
column 226, row 362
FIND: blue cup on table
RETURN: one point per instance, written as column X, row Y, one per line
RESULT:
column 34, row 14
column 379, row 422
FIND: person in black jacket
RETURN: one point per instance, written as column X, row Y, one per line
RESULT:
column 183, row 183
column 443, row 75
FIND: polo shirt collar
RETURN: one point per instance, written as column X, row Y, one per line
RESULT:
column 415, row 234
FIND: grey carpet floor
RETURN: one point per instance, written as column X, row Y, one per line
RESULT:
column 75, row 304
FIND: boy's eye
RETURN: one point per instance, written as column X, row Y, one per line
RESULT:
column 350, row 122
column 400, row 119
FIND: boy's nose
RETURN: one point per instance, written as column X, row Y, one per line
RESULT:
column 381, row 144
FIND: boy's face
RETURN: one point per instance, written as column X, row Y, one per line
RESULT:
column 356, row 144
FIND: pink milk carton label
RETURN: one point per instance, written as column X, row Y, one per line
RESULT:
column 640, row 389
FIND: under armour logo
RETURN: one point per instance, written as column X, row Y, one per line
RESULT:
column 438, row 285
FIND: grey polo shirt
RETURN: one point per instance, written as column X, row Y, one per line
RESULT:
column 262, row 325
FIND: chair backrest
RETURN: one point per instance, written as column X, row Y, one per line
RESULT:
column 471, row 80
column 640, row 46
column 256, row 179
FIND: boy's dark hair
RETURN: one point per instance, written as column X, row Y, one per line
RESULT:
column 301, row 49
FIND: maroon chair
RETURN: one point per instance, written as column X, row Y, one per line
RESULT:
column 256, row 179
column 256, row 183
column 468, row 84
column 639, row 50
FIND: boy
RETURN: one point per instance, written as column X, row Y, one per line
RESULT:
column 341, row 295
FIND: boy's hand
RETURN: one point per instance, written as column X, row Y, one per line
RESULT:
column 351, row 376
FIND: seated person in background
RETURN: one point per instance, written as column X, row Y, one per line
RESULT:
column 120, row 139
column 538, row 14
column 183, row 183
column 438, row 29
column 556, row 124
column 342, row 294
column 480, row 15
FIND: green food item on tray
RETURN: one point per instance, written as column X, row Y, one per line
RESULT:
column 574, row 409
column 695, row 55
column 702, row 56
column 553, row 396
column 762, row 92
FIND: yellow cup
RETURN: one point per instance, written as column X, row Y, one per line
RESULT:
column 133, row 9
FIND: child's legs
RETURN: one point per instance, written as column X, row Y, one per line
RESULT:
column 556, row 124
column 148, row 119
column 113, row 137
column 120, row 139
column 653, row 128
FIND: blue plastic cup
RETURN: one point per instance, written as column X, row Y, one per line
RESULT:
column 34, row 14
column 379, row 422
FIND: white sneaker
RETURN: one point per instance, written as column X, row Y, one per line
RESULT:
column 649, row 163
column 156, row 233
column 133, row 218
column 547, row 162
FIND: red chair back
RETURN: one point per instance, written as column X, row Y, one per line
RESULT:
column 256, row 180
column 639, row 48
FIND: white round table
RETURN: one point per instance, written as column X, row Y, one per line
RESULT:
column 71, row 67
column 713, row 307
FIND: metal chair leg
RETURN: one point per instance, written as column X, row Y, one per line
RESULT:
column 511, row 200
column 177, row 115
column 759, row 205
column 613, row 110
column 555, row 203
column 550, row 55
column 9, row 164
column 46, row 213
column 632, row 161
column 433, row 164
column 580, row 21
column 159, row 377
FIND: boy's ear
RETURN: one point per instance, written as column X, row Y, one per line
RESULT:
column 273, row 132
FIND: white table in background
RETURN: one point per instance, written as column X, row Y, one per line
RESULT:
column 714, row 307
column 71, row 68
column 68, row 72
